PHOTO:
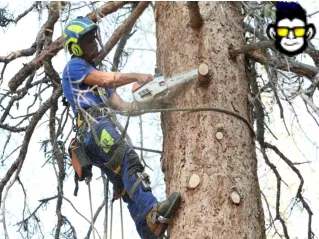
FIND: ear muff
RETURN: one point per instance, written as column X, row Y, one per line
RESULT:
column 76, row 50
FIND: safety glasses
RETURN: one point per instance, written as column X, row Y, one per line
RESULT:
column 297, row 31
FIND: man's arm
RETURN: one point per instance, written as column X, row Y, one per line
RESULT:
column 115, row 79
column 117, row 103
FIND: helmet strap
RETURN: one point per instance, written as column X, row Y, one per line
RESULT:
column 76, row 50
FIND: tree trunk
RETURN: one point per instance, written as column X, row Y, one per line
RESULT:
column 209, row 156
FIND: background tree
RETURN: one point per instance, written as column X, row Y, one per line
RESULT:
column 209, row 128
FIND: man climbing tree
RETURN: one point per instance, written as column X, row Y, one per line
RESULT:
column 212, row 128
column 103, row 145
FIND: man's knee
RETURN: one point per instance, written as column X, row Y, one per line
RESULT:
column 134, row 163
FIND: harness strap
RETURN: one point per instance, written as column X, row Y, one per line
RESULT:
column 76, row 181
column 95, row 111
column 117, row 158
column 133, row 188
column 142, row 178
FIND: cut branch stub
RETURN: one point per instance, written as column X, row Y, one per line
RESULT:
column 235, row 197
column 203, row 73
column 195, row 19
column 219, row 135
column 194, row 181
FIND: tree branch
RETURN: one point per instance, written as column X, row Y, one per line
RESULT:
column 128, row 23
column 12, row 128
column 19, row 17
column 73, row 232
column 42, row 201
column 96, row 214
column 300, row 188
column 261, row 140
column 296, row 67
column 233, row 53
column 81, row 215
column 58, row 156
column 311, row 50
column 44, row 37
column 29, row 131
column 20, row 53
column 309, row 102
column 120, row 48
column 55, row 47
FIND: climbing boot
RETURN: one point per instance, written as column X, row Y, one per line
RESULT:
column 161, row 214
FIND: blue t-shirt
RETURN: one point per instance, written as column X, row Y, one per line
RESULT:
column 79, row 94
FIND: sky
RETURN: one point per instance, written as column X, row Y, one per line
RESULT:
column 38, row 179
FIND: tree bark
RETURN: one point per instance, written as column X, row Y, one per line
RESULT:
column 209, row 156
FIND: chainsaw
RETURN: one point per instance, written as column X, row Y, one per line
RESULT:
column 154, row 91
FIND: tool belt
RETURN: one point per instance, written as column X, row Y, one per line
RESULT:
column 94, row 112
column 80, row 162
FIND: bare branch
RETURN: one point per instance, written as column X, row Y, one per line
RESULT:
column 296, row 67
column 300, row 188
column 96, row 214
column 54, row 48
column 12, row 128
column 73, row 232
column 81, row 215
column 279, row 179
column 58, row 155
column 29, row 131
column 42, row 201
column 17, row 97
column 128, row 23
column 105, row 10
column 20, row 53
column 271, row 77
column 120, row 48
column 311, row 51
column 44, row 37
column 310, row 91
column 261, row 140
column 250, row 47
column 255, row 32
column 309, row 102
column 19, row 17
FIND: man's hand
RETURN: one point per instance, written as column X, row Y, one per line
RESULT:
column 144, row 78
